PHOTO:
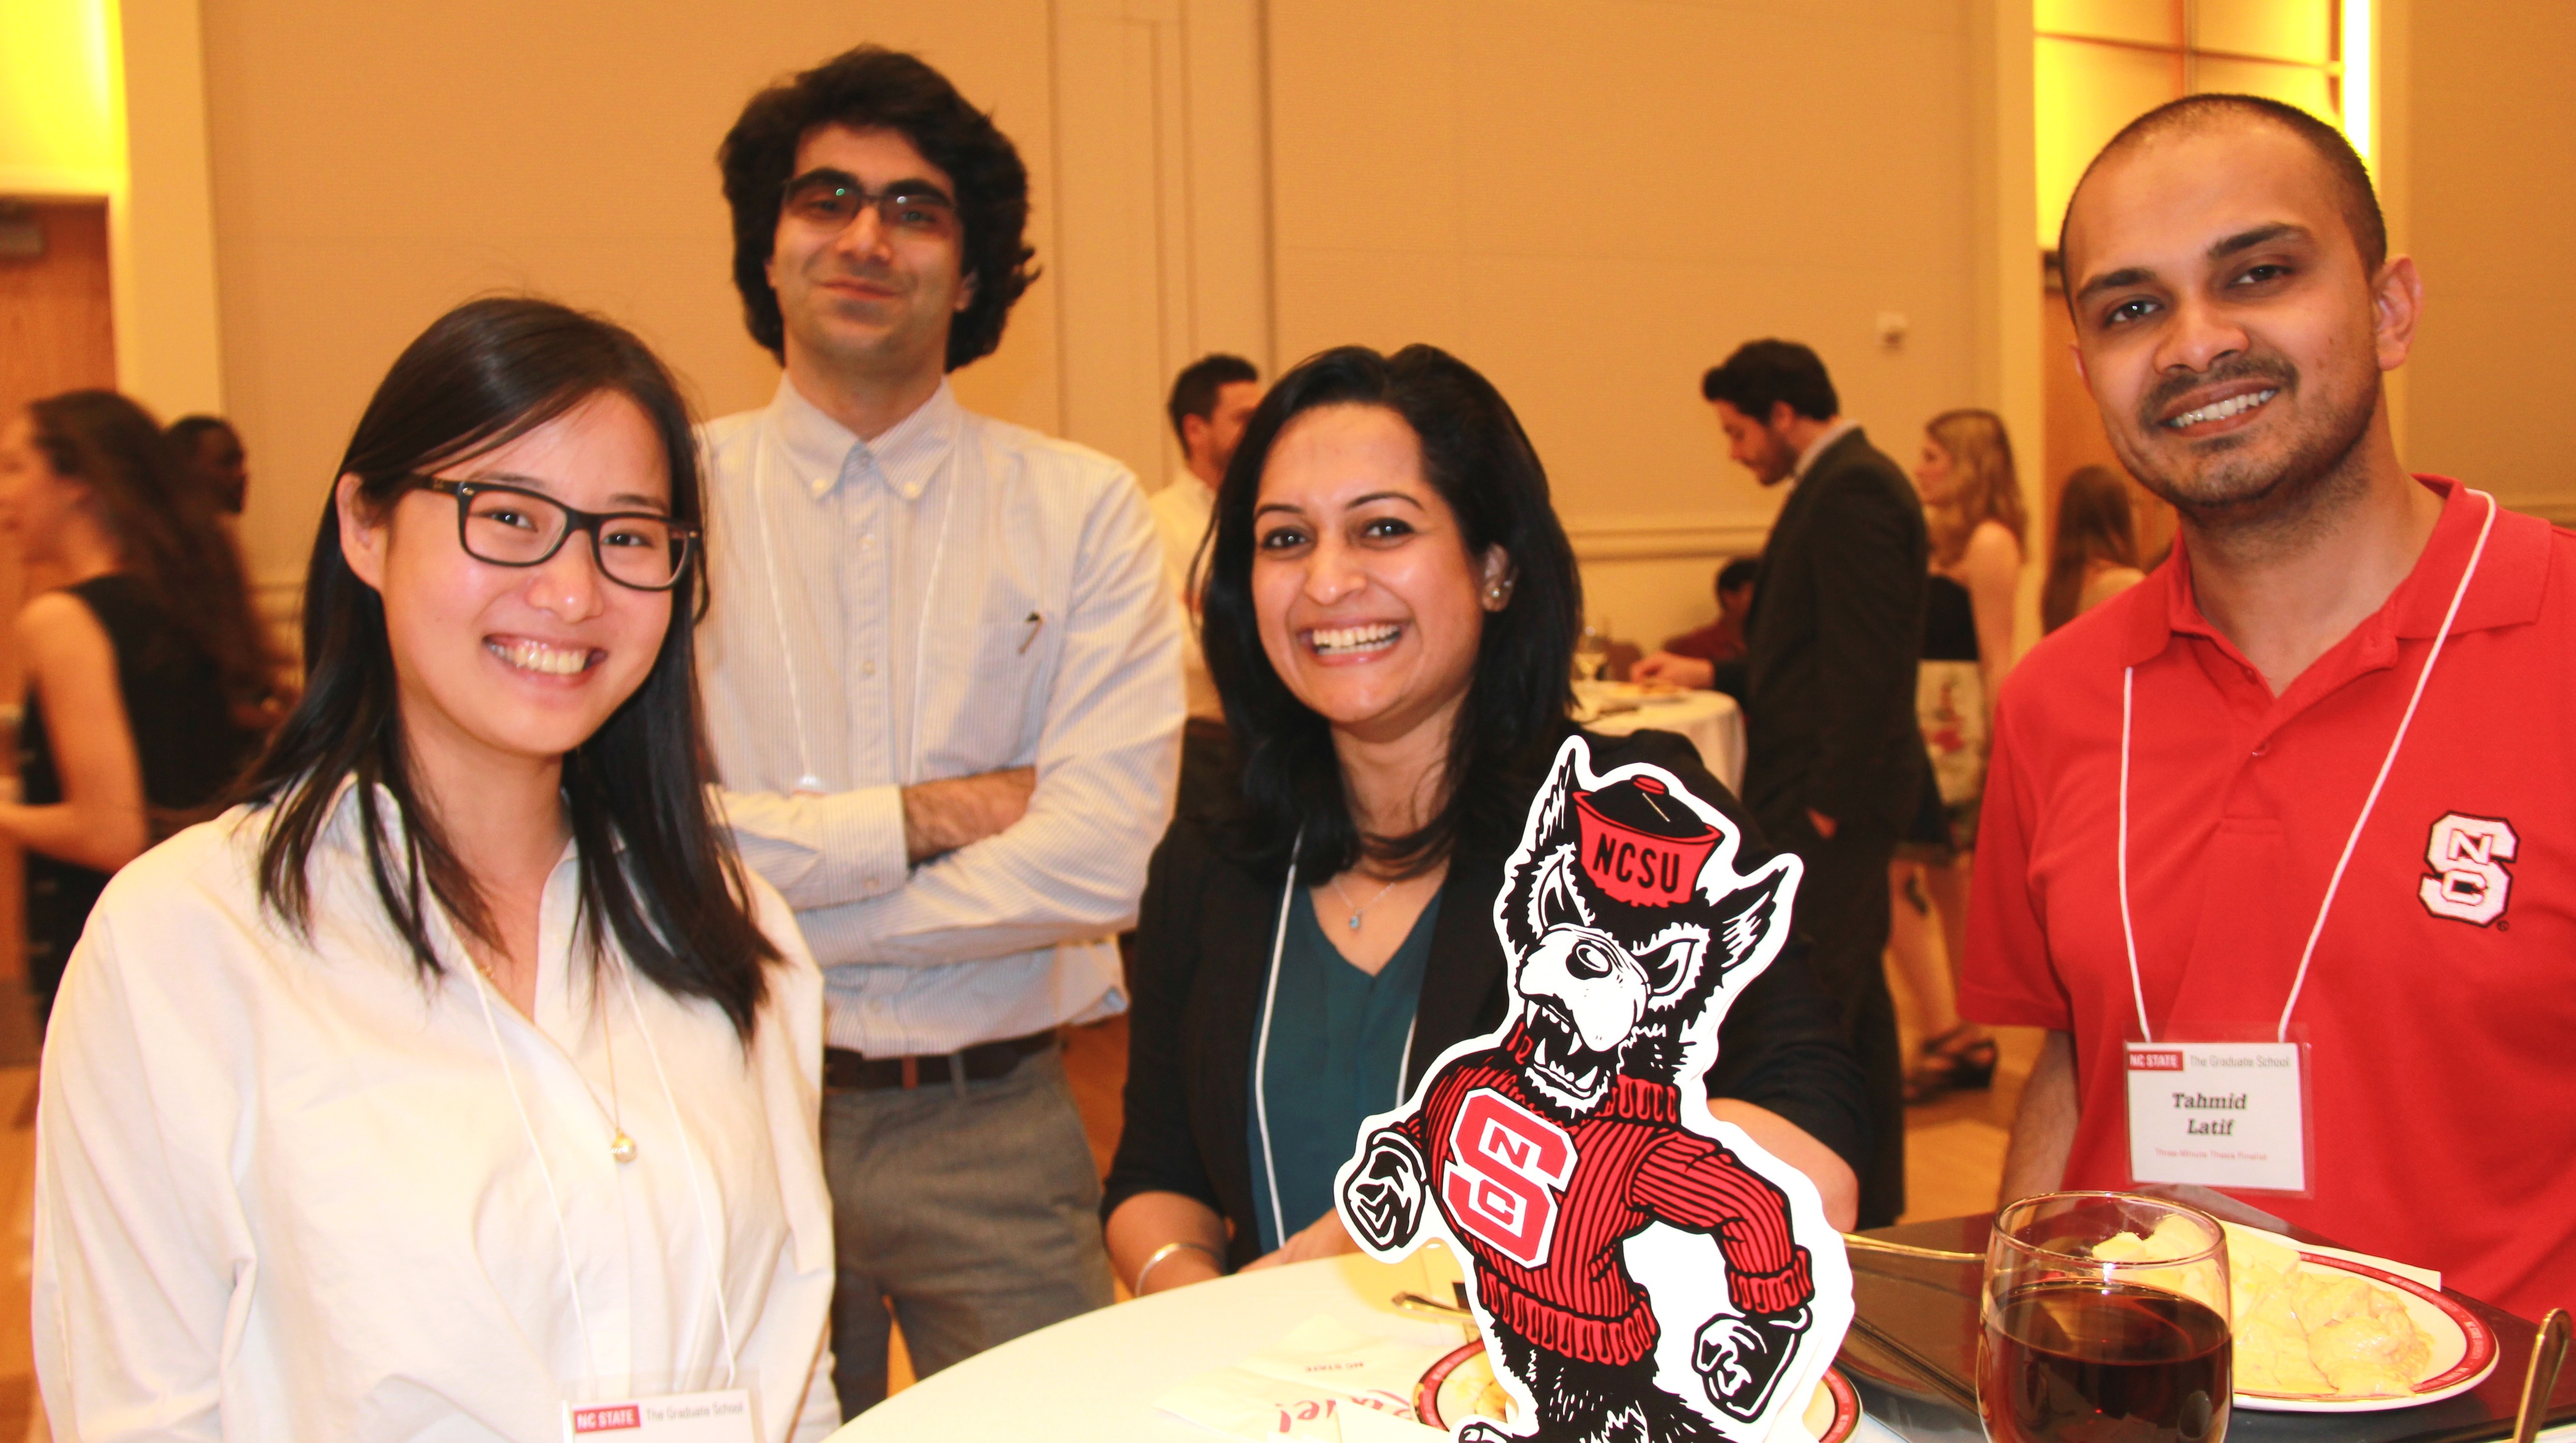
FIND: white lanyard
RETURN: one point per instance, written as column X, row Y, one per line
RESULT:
column 2307, row 954
column 716, row 1238
column 1261, row 1047
column 810, row 781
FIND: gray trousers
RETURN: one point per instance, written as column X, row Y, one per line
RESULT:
column 975, row 1215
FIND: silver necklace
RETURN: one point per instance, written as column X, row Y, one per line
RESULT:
column 620, row 1147
column 1354, row 921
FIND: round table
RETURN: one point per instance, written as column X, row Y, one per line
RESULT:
column 1711, row 719
column 1096, row 1377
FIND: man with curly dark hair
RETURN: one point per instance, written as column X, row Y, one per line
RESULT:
column 944, row 694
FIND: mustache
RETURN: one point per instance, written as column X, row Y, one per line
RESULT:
column 832, row 268
column 2161, row 398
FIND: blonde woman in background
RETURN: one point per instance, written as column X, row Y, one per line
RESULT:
column 1973, row 500
column 2094, row 554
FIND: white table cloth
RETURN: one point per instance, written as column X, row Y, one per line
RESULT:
column 1094, row 1379
column 1711, row 719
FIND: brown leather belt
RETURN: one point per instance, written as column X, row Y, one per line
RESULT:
column 847, row 1071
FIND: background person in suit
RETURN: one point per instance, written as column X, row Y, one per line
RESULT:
column 1833, row 762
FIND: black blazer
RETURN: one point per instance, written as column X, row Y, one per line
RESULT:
column 1832, row 643
column 1203, row 956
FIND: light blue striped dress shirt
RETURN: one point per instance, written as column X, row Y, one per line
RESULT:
column 959, row 596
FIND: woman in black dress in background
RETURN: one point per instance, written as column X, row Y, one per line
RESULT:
column 146, row 675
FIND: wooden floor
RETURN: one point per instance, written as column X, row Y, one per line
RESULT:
column 20, row 1417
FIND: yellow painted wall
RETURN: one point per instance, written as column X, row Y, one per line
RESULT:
column 2491, row 119
column 375, row 164
column 58, row 98
column 1593, row 203
column 169, row 347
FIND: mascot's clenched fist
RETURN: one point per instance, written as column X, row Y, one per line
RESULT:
column 1542, row 1150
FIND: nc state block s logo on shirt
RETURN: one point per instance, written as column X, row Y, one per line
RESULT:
column 2469, row 881
column 1506, row 1167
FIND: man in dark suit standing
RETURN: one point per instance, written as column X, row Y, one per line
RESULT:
column 1833, row 760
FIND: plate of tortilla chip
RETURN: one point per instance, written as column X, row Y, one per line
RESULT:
column 2317, row 1333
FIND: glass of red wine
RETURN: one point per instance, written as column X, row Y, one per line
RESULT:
column 2106, row 1321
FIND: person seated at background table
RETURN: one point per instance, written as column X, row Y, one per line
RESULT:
column 1390, row 615
column 145, row 668
column 1722, row 639
column 333, row 1135
column 2094, row 555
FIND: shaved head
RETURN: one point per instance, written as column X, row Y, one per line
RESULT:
column 2234, row 310
column 2195, row 115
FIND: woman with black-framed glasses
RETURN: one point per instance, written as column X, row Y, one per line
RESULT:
column 510, row 524
column 461, row 1079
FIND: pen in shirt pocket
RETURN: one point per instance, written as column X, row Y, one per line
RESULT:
column 1035, row 623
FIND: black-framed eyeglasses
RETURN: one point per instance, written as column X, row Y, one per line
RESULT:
column 513, row 526
column 831, row 199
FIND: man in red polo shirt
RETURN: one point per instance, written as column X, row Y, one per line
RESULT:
column 2274, row 843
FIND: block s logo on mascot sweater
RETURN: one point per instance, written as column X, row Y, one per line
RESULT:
column 1639, row 1270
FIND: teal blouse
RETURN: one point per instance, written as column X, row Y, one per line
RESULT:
column 1337, row 1044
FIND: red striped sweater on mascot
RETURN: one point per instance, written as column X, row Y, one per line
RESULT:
column 1547, row 1147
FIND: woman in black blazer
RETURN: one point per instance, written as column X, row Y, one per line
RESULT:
column 1390, row 614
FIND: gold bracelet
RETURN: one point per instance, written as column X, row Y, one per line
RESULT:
column 1165, row 1251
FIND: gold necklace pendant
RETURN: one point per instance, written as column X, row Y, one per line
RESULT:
column 622, row 1147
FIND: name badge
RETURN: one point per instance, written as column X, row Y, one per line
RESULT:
column 2220, row 1114
column 723, row 1416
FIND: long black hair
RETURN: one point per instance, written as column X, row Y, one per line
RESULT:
column 484, row 374
column 1476, row 456
column 167, row 536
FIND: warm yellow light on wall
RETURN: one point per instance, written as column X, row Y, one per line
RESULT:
column 2098, row 64
column 60, row 128
column 2359, row 74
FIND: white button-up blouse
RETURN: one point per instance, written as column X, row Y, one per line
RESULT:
column 291, row 1189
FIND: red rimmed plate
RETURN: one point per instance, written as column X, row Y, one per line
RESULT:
column 1450, row 1390
column 2464, row 1348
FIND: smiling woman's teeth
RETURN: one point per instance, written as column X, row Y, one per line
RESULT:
column 1348, row 640
column 2221, row 410
column 537, row 656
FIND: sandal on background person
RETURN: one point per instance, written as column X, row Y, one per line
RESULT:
column 1955, row 1061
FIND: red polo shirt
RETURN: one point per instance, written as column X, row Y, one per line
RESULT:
column 2441, row 1005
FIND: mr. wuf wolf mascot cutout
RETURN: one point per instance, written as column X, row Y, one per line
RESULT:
column 1572, row 1156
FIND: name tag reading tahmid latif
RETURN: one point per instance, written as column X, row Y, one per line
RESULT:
column 2220, row 1114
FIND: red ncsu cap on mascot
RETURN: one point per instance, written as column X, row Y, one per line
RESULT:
column 1640, row 844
